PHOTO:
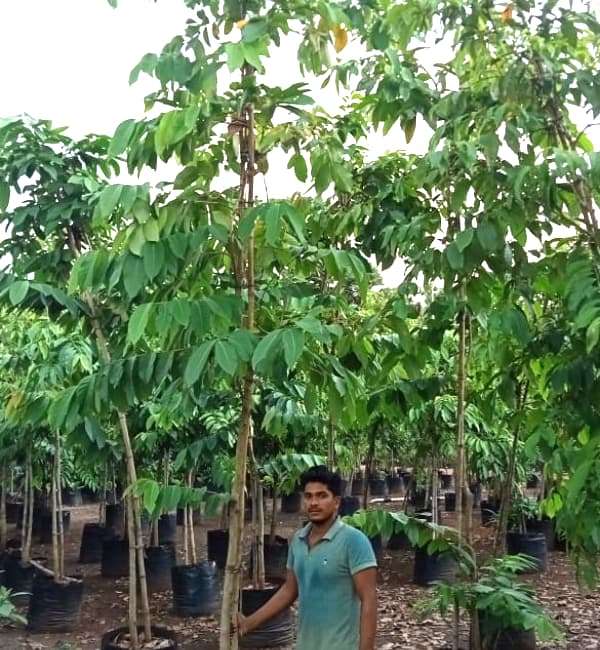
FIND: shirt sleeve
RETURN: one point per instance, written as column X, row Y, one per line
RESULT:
column 290, row 557
column 360, row 553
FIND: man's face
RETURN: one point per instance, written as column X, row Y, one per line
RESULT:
column 319, row 502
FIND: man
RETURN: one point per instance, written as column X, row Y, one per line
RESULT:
column 332, row 568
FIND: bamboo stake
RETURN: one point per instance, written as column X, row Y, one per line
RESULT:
column 131, row 533
column 26, row 554
column 25, row 516
column 273, row 531
column 232, row 581
column 191, row 522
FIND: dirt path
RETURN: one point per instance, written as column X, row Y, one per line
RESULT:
column 105, row 602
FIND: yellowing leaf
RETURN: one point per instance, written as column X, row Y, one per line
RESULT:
column 242, row 23
column 507, row 14
column 341, row 38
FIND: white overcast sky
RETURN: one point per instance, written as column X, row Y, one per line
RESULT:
column 69, row 61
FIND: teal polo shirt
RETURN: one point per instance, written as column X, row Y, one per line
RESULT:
column 329, row 607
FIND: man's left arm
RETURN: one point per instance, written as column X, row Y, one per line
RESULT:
column 365, row 583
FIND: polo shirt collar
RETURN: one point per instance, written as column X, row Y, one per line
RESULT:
column 329, row 535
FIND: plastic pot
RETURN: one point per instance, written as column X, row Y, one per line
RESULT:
column 435, row 567
column 110, row 640
column 377, row 546
column 276, row 555
column 418, row 498
column 398, row 542
column 54, row 607
column 159, row 561
column 274, row 633
column 195, row 589
column 46, row 526
column 72, row 497
column 545, row 526
column 377, row 487
column 115, row 558
column 450, row 501
column 14, row 512
column 180, row 516
column 446, row 481
column 489, row 513
column 358, row 487
column 533, row 481
column 114, row 516
column 532, row 544
column 291, row 503
column 18, row 576
column 92, row 538
column 394, row 484
column 506, row 639
column 89, row 496
column 167, row 529
column 217, row 542
column 348, row 506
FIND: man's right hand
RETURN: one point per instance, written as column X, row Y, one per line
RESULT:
column 242, row 625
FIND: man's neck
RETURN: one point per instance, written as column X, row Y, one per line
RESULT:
column 319, row 529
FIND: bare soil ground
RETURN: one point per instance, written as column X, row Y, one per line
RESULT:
column 105, row 601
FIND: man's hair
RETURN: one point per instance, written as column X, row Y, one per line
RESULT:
column 320, row 474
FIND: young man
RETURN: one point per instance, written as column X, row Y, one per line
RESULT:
column 332, row 568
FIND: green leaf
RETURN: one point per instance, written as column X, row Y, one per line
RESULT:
column 235, row 56
column 196, row 363
column 153, row 255
column 455, row 257
column 136, row 241
column 293, row 344
column 488, row 235
column 577, row 481
column 174, row 126
column 246, row 225
column 134, row 275
column 592, row 335
column 138, row 322
column 109, row 198
column 226, row 357
column 151, row 231
column 256, row 28
column 490, row 144
column 298, row 163
column 147, row 65
column 273, row 224
column 4, row 195
column 464, row 238
column 17, row 292
column 121, row 138
column 265, row 351
column 459, row 196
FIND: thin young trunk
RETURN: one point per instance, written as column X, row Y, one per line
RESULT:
column 460, row 446
column 273, row 530
column 254, row 548
column 369, row 467
column 155, row 535
column 3, row 524
column 260, row 535
column 434, row 488
column 232, row 581
column 506, row 495
column 102, row 506
column 136, row 539
column 190, row 514
column 59, row 507
column 186, row 535
column 25, row 516
column 331, row 444
column 26, row 555
column 133, row 627
column 54, row 511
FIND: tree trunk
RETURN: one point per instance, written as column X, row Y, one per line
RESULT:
column 260, row 535
column 59, row 507
column 54, row 514
column 28, row 511
column 460, row 445
column 232, row 581
column 190, row 515
column 131, row 534
column 133, row 508
column 273, row 530
column 434, row 488
column 369, row 467
column 25, row 517
column 506, row 496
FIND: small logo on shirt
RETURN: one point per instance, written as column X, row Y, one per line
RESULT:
column 324, row 562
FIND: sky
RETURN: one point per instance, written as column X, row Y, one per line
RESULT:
column 69, row 61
